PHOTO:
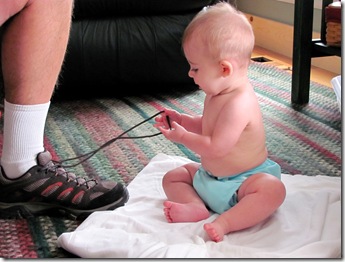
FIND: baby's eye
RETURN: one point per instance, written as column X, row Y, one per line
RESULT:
column 194, row 70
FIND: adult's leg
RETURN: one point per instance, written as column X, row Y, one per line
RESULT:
column 33, row 47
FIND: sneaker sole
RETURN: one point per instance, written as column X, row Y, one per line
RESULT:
column 29, row 210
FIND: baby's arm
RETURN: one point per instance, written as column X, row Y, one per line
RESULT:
column 225, row 133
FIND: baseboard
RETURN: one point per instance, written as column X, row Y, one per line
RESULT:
column 278, row 37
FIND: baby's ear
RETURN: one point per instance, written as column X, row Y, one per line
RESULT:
column 226, row 68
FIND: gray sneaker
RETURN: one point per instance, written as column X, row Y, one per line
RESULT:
column 47, row 188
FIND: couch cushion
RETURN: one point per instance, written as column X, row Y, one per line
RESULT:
column 138, row 53
column 108, row 8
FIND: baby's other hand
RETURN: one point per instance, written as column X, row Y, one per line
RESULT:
column 165, row 119
column 174, row 134
column 161, row 121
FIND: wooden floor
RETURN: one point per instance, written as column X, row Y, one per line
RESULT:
column 317, row 74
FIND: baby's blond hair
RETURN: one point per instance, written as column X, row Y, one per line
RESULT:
column 225, row 32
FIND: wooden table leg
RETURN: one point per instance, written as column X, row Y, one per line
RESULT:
column 302, row 50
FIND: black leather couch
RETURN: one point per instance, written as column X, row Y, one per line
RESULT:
column 120, row 47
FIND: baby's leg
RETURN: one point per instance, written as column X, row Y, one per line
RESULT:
column 259, row 197
column 183, row 204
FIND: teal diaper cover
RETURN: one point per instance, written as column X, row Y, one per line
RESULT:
column 220, row 194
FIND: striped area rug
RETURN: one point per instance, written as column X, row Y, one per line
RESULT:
column 304, row 140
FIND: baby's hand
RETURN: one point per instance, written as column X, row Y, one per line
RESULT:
column 164, row 120
column 175, row 133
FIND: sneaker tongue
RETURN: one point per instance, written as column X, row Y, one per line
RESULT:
column 44, row 158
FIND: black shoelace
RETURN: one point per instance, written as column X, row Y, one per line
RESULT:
column 88, row 155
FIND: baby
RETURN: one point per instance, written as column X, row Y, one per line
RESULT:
column 235, row 177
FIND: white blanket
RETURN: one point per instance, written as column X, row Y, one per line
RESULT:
column 307, row 225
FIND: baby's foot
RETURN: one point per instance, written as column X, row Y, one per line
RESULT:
column 214, row 231
column 190, row 212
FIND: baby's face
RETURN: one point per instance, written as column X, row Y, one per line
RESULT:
column 205, row 71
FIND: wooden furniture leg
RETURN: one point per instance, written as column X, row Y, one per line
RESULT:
column 302, row 50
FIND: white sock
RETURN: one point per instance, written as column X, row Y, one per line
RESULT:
column 23, row 137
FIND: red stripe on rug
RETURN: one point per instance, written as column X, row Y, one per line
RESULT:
column 49, row 147
column 16, row 232
column 27, row 246
column 285, row 166
column 299, row 117
column 309, row 142
column 285, row 95
column 301, row 137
